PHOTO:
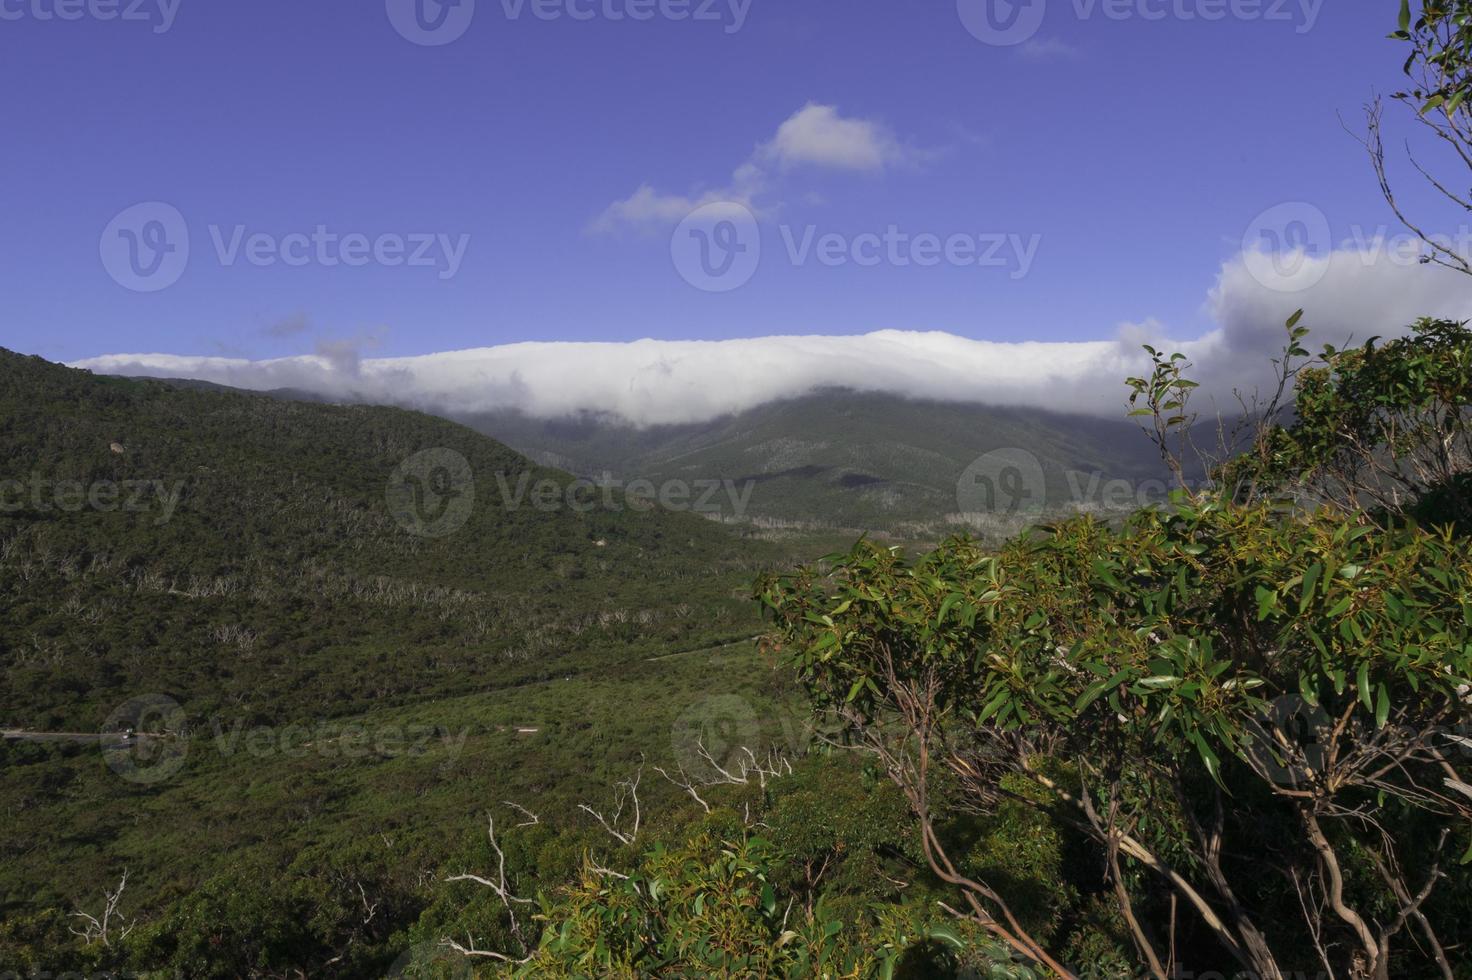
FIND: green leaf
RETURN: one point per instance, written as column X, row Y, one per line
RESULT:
column 1103, row 572
column 1213, row 764
column 1310, row 580
column 1309, row 689
column 1266, row 600
column 1095, row 690
column 993, row 706
column 1382, row 706
column 949, row 935
column 1405, row 15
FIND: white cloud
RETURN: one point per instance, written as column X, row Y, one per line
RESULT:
column 647, row 208
column 819, row 136
column 1353, row 292
column 654, row 381
column 814, row 136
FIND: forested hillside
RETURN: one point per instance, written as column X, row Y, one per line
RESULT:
column 861, row 461
column 244, row 551
column 329, row 685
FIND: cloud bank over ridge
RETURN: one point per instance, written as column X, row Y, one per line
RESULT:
column 1354, row 294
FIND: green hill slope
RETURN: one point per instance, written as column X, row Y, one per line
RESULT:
column 336, row 655
column 243, row 550
column 850, row 460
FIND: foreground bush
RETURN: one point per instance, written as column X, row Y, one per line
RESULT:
column 1254, row 702
column 709, row 908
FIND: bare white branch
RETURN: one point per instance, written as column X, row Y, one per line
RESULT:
column 625, row 796
column 102, row 929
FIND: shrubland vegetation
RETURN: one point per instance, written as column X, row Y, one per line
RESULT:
column 347, row 692
column 1229, row 733
column 1253, row 712
column 282, row 586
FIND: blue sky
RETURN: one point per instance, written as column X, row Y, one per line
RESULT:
column 1133, row 152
